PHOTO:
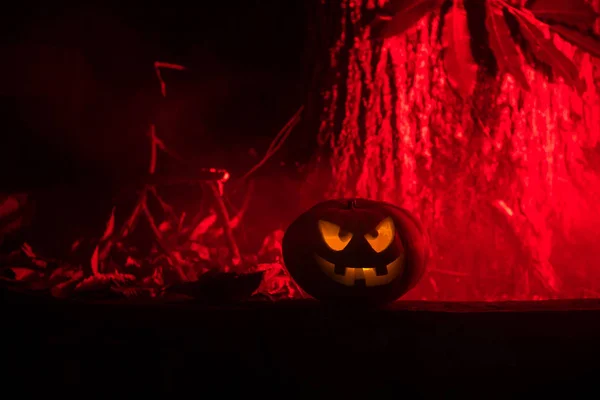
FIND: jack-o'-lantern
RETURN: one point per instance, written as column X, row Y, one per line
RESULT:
column 355, row 250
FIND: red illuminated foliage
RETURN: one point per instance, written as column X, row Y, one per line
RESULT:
column 575, row 13
column 493, row 164
column 502, row 168
column 573, row 21
column 458, row 61
column 507, row 54
column 152, row 249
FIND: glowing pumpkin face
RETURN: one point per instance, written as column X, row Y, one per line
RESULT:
column 355, row 250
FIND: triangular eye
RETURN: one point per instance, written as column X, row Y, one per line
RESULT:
column 335, row 238
column 383, row 235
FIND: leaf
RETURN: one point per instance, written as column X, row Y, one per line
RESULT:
column 203, row 226
column 133, row 218
column 8, row 206
column 65, row 288
column 25, row 274
column 156, row 279
column 545, row 51
column 586, row 43
column 164, row 226
column 104, row 281
column 76, row 244
column 277, row 283
column 406, row 14
column 132, row 262
column 201, row 251
column 271, row 246
column 575, row 13
column 28, row 251
column 26, row 248
column 110, row 226
column 504, row 48
column 62, row 274
column 94, row 261
column 458, row 60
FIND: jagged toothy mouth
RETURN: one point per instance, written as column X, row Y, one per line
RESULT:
column 370, row 276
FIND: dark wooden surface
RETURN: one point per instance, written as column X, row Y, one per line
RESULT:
column 298, row 349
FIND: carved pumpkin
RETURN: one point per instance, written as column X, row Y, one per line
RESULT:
column 355, row 250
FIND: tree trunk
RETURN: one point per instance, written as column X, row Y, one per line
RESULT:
column 500, row 180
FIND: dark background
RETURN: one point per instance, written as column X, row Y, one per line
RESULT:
column 78, row 88
column 78, row 92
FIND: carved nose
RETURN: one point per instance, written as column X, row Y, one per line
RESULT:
column 364, row 252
